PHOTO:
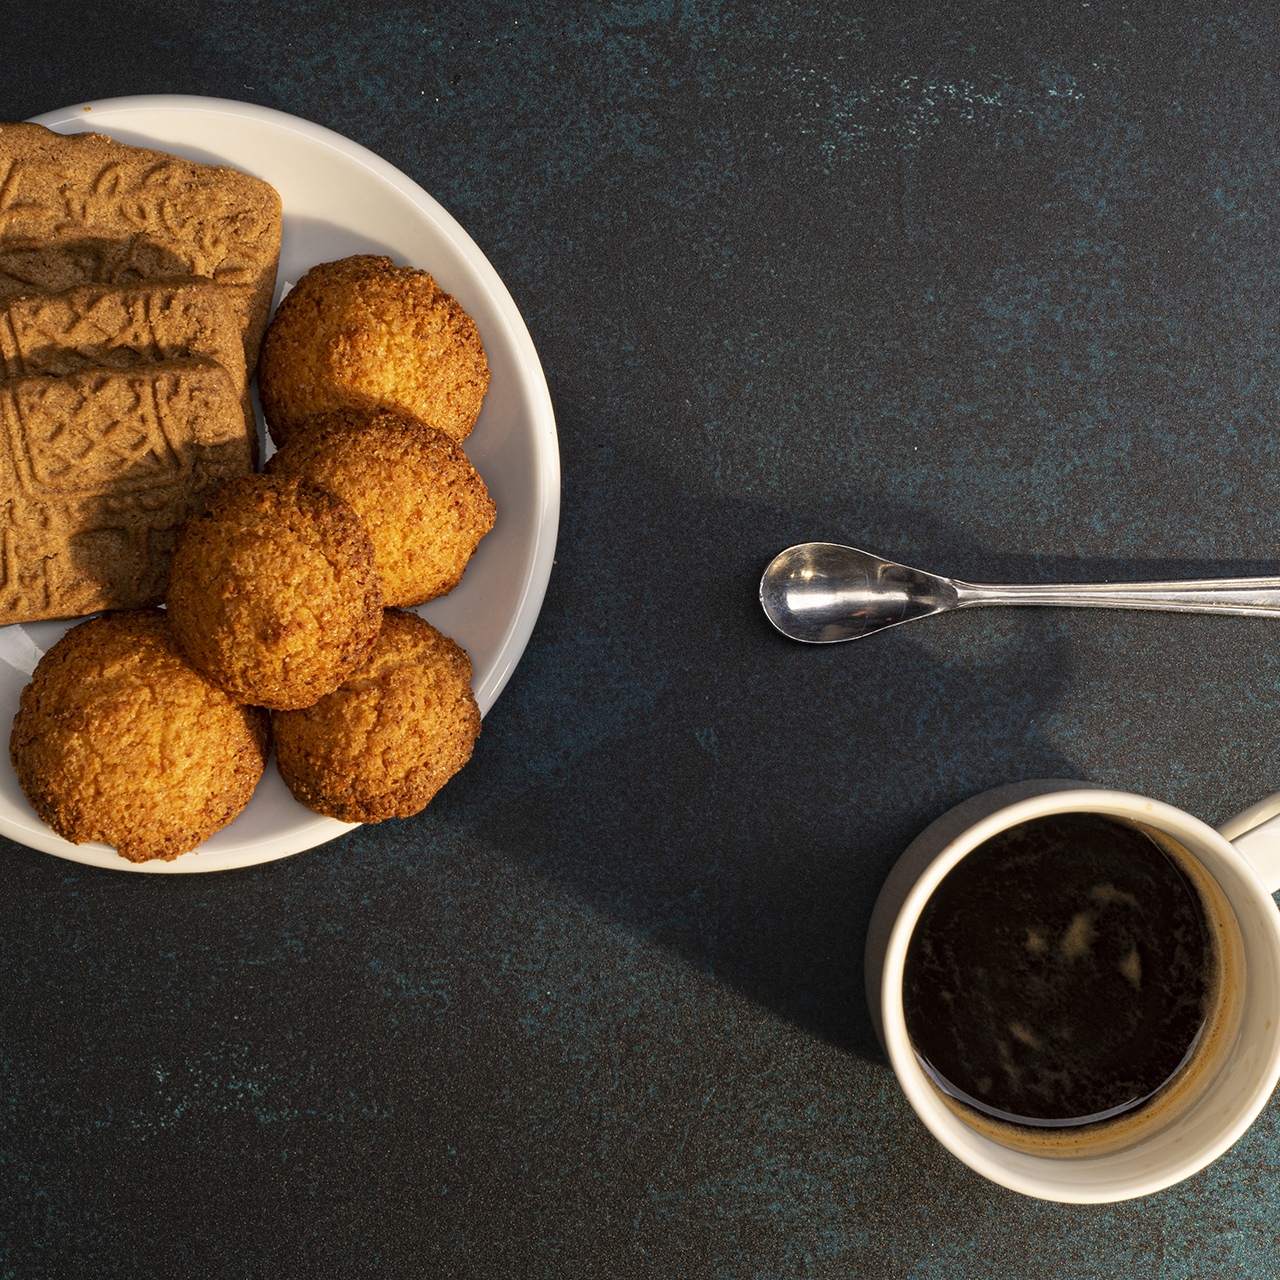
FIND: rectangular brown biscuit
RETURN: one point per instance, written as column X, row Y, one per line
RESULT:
column 119, row 326
column 98, row 469
column 82, row 208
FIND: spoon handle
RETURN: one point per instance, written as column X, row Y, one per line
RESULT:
column 1251, row 597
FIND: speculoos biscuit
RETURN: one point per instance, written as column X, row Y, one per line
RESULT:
column 98, row 470
column 119, row 739
column 363, row 333
column 422, row 502
column 82, row 208
column 398, row 728
column 121, row 326
column 274, row 592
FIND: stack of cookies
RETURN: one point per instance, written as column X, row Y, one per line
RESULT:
column 135, row 287
column 291, row 591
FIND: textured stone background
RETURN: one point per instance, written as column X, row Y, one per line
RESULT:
column 990, row 288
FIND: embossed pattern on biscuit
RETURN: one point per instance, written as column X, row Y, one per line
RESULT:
column 88, row 188
column 83, row 208
column 101, row 468
column 120, row 326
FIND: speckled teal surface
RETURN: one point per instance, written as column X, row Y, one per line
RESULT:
column 990, row 288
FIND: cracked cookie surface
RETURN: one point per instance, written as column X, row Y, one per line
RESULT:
column 119, row 739
column 391, row 736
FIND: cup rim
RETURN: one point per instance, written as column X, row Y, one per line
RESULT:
column 1031, row 1174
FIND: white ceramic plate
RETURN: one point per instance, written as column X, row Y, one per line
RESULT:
column 340, row 199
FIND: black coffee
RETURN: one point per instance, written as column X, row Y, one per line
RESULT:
column 1060, row 973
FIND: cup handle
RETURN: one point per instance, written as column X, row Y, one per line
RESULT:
column 1256, row 833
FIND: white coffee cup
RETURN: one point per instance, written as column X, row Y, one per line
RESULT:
column 1242, row 859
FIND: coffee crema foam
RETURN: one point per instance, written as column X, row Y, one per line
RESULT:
column 1071, row 982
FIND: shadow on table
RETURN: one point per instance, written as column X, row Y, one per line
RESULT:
column 740, row 797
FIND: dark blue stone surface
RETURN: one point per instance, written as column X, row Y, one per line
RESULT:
column 989, row 288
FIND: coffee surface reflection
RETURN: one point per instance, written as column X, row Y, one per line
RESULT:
column 1061, row 972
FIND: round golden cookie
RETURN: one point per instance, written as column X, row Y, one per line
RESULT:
column 119, row 739
column 273, row 591
column 395, row 732
column 422, row 502
column 362, row 333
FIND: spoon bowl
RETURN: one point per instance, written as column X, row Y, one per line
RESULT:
column 822, row 593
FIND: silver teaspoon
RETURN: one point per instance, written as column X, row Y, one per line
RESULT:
column 821, row 592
